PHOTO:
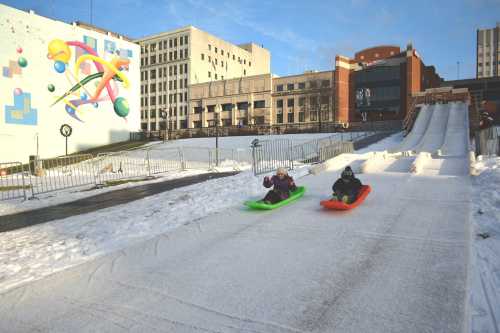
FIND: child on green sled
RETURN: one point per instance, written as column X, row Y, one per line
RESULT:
column 282, row 185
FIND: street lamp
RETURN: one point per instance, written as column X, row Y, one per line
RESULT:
column 217, row 114
column 164, row 115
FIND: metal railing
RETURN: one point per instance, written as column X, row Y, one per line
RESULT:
column 62, row 172
column 268, row 155
column 12, row 181
column 121, row 165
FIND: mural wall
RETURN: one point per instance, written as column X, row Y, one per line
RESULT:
column 53, row 73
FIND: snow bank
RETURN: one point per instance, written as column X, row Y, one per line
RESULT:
column 34, row 252
column 485, row 258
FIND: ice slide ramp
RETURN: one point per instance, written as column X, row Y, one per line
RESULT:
column 456, row 140
column 416, row 134
column 434, row 135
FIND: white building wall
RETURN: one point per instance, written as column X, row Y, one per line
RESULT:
column 26, row 110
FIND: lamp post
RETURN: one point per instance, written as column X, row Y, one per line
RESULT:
column 217, row 137
column 164, row 115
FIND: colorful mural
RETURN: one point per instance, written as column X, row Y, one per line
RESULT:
column 21, row 112
column 108, row 75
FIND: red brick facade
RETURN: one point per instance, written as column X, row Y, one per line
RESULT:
column 377, row 53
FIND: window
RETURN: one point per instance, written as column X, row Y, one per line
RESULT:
column 210, row 108
column 302, row 85
column 325, row 83
column 142, row 76
column 170, row 70
column 290, row 102
column 186, row 39
column 249, row 64
column 170, row 43
column 221, row 52
column 279, row 103
column 152, row 47
column 302, row 117
column 209, row 47
column 209, row 59
column 142, row 89
column 279, row 118
column 198, row 109
column 290, row 117
column 209, row 74
column 175, row 84
column 313, row 84
column 228, row 55
column 181, row 41
column 279, row 87
column 244, row 61
column 180, row 84
column 170, row 56
column 180, row 98
column 159, row 86
column 175, row 42
column 216, row 61
column 325, row 99
column 244, row 72
column 259, row 104
column 222, row 63
column 186, row 98
column 216, row 76
column 324, row 115
column 202, row 56
column 153, row 113
column 159, row 73
column 153, row 60
column 185, row 83
column 216, row 50
column 222, row 77
column 289, row 86
column 152, row 101
column 181, row 68
column 175, row 55
column 165, row 44
column 314, row 115
column 313, row 100
column 227, row 107
column 242, row 106
column 175, row 70
column 153, row 74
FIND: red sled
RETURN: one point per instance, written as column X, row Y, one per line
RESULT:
column 339, row 205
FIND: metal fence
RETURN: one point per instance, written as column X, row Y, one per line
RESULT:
column 62, row 172
column 12, row 181
column 488, row 141
column 268, row 155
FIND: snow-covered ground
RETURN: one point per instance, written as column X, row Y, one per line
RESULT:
column 485, row 215
column 389, row 265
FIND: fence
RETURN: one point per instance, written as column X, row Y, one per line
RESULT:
column 59, row 173
column 270, row 154
column 488, row 141
column 12, row 181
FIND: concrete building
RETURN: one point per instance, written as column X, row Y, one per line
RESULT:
column 240, row 101
column 375, row 85
column 304, row 98
column 488, row 52
column 54, row 73
column 174, row 60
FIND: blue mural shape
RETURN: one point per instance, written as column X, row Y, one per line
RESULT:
column 21, row 112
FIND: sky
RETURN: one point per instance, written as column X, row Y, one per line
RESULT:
column 301, row 35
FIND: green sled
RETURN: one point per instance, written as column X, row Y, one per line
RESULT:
column 299, row 192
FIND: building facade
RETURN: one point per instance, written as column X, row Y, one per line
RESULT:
column 173, row 61
column 55, row 73
column 375, row 85
column 488, row 52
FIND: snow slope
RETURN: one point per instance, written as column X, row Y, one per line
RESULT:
column 485, row 214
column 396, row 263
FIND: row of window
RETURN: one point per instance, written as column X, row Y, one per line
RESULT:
column 162, row 99
column 172, row 111
column 216, row 77
column 172, row 42
column 162, row 58
column 172, row 70
column 302, row 117
column 302, row 85
column 162, row 86
column 487, row 64
column 313, row 100
column 240, row 60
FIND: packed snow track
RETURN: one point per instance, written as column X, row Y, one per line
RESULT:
column 397, row 263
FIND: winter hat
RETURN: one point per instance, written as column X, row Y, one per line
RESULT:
column 282, row 171
column 347, row 173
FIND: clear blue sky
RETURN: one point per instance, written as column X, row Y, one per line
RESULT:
column 302, row 34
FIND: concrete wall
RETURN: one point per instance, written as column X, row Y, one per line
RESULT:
column 37, row 66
